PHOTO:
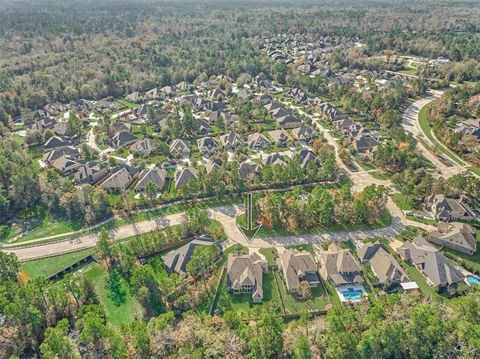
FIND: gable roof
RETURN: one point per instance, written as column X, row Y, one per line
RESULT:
column 154, row 175
column 461, row 234
column 185, row 175
column 177, row 260
column 246, row 270
column 339, row 266
column 296, row 265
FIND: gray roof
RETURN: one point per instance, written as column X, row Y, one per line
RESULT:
column 339, row 266
column 184, row 175
column 460, row 234
column 432, row 262
column 144, row 147
column 248, row 169
column 297, row 266
column 385, row 267
column 179, row 146
column 177, row 260
column 154, row 175
column 301, row 133
column 118, row 181
column 246, row 270
column 275, row 159
column 232, row 139
column 123, row 138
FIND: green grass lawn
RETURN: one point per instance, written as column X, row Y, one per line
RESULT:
column 120, row 306
column 52, row 265
column 401, row 201
column 426, row 128
column 332, row 293
column 303, row 247
column 229, row 301
column 270, row 255
column 318, row 301
column 427, row 221
column 471, row 262
column 415, row 275
column 367, row 166
column 475, row 170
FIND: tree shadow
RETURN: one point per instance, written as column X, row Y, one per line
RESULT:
column 117, row 293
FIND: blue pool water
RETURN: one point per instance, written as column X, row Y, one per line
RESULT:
column 352, row 294
column 472, row 280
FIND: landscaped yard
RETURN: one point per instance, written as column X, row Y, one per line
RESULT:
column 52, row 265
column 415, row 275
column 270, row 255
column 471, row 262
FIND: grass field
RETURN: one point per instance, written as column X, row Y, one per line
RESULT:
column 52, row 265
column 475, row 170
column 120, row 306
column 270, row 255
column 427, row 130
column 401, row 201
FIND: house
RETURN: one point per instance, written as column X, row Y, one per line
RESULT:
column 119, row 126
column 203, row 126
column 303, row 134
column 304, row 157
column 183, row 86
column 60, row 128
column 168, row 91
column 338, row 266
column 91, row 172
column 42, row 123
column 298, row 94
column 298, row 266
column 244, row 94
column 213, row 164
column 470, row 128
column 56, row 153
column 272, row 106
column 231, row 140
column 135, row 96
column 207, row 144
column 383, row 265
column 275, row 159
column 288, row 121
column 248, row 170
column 184, row 175
column 143, row 147
column 216, row 94
column 456, row 235
column 448, row 209
column 431, row 262
column 155, row 176
column 258, row 141
column 120, row 179
column 279, row 137
column 153, row 94
column 364, row 143
column 55, row 142
column 179, row 147
column 177, row 260
column 123, row 139
column 245, row 274
column 67, row 165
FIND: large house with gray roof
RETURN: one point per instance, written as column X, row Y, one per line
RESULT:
column 383, row 265
column 298, row 266
column 456, row 235
column 245, row 274
column 338, row 266
column 448, row 209
column 184, row 175
column 155, row 176
column 431, row 262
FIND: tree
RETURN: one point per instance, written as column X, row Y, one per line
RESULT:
column 304, row 290
column 104, row 247
column 201, row 259
column 57, row 344
column 74, row 125
column 9, row 267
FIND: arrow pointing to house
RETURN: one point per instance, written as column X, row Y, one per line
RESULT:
column 249, row 231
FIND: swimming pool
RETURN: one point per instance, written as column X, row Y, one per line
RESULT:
column 472, row 280
column 352, row 294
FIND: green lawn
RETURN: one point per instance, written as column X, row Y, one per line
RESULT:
column 426, row 128
column 332, row 293
column 318, row 301
column 229, row 301
column 427, row 221
column 401, row 201
column 475, row 170
column 270, row 255
column 52, row 265
column 121, row 307
column 415, row 275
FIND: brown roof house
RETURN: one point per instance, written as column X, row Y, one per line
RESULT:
column 120, row 179
column 245, row 274
column 296, row 267
column 431, row 262
column 184, row 175
column 339, row 266
column 92, row 172
column 383, row 265
column 303, row 134
column 457, row 236
column 143, row 147
column 179, row 147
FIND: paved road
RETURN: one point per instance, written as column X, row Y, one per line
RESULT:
column 411, row 125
